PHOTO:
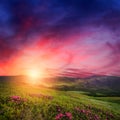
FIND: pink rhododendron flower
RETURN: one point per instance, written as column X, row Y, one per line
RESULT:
column 69, row 115
column 59, row 116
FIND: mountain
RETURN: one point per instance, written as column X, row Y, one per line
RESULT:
column 103, row 85
column 94, row 85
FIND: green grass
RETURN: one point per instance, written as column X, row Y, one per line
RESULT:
column 44, row 108
column 109, row 99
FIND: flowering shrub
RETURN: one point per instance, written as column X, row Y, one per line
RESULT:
column 90, row 115
column 59, row 116
column 81, row 114
column 17, row 99
column 67, row 116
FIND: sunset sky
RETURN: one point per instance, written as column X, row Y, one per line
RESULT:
column 60, row 37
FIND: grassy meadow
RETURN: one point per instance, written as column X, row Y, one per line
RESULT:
column 23, row 101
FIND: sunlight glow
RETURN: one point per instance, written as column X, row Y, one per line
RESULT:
column 34, row 76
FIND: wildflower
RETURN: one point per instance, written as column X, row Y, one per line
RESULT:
column 69, row 115
column 66, row 115
column 59, row 116
column 15, row 98
column 83, row 111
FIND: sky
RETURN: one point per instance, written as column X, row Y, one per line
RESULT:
column 75, row 37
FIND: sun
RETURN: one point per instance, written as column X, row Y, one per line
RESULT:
column 33, row 74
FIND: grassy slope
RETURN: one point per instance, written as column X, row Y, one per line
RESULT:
column 41, row 108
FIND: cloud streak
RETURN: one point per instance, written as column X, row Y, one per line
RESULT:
column 60, row 34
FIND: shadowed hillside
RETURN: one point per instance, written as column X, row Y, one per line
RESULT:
column 104, row 85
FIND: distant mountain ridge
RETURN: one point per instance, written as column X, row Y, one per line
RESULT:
column 94, row 84
column 102, row 84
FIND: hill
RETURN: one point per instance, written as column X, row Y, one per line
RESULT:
column 103, row 85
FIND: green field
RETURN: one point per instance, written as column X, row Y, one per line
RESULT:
column 34, row 102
